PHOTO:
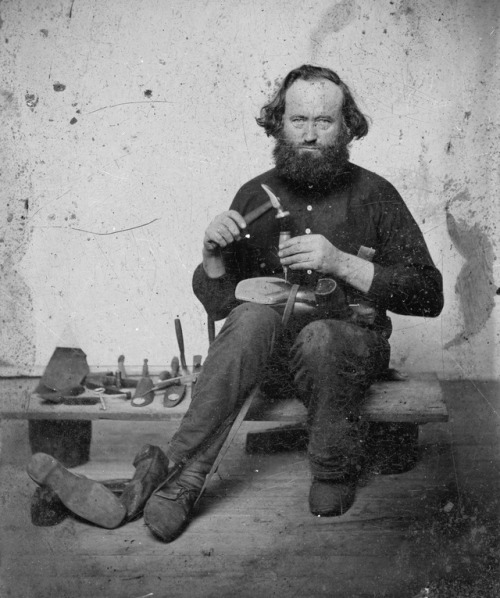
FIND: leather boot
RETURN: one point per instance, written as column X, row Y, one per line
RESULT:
column 86, row 498
column 151, row 468
column 170, row 508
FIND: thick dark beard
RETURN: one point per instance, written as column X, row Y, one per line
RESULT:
column 308, row 171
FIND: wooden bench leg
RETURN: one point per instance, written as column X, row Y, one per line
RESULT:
column 392, row 447
column 68, row 441
column 291, row 437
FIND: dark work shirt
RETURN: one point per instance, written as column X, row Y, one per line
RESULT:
column 362, row 212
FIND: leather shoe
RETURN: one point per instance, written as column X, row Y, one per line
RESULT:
column 151, row 468
column 169, row 509
column 83, row 497
column 47, row 508
column 330, row 498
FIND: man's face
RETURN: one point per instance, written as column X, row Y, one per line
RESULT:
column 312, row 145
column 313, row 115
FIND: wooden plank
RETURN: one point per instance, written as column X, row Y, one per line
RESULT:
column 417, row 400
column 116, row 409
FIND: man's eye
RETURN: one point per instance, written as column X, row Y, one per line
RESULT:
column 323, row 123
column 297, row 121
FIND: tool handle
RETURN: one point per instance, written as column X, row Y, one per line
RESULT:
column 285, row 235
column 211, row 330
column 180, row 342
column 254, row 214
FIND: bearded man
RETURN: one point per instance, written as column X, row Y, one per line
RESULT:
column 340, row 215
column 347, row 224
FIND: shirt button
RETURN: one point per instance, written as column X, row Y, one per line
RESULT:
column 308, row 231
column 309, row 208
column 262, row 265
column 309, row 271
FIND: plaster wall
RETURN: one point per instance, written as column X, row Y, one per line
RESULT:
column 127, row 125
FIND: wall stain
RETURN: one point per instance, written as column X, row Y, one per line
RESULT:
column 6, row 96
column 31, row 100
column 17, row 329
column 474, row 285
column 331, row 21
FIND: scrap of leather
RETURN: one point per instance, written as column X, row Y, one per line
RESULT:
column 64, row 375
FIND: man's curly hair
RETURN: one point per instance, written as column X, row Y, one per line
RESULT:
column 271, row 115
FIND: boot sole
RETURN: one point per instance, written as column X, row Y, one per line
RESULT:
column 83, row 497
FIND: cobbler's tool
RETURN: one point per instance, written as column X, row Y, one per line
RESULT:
column 121, row 366
column 257, row 212
column 197, row 363
column 188, row 379
column 180, row 343
column 252, row 217
column 144, row 393
column 284, row 219
column 174, row 392
column 100, row 392
column 122, row 380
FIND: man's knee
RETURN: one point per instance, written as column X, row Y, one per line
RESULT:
column 328, row 339
column 251, row 320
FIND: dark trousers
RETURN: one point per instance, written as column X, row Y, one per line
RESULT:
column 331, row 363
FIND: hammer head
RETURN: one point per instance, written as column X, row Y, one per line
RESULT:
column 275, row 201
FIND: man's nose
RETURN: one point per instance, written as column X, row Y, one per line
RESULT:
column 310, row 133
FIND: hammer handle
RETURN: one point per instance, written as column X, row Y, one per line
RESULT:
column 180, row 342
column 254, row 214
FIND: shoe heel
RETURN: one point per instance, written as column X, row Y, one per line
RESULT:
column 40, row 467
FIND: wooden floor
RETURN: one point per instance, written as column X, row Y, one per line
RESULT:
column 435, row 526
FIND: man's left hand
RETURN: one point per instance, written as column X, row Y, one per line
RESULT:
column 310, row 252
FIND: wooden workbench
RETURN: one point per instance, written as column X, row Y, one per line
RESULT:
column 417, row 400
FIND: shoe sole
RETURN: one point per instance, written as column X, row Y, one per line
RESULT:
column 83, row 497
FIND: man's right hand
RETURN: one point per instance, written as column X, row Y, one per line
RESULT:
column 222, row 231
